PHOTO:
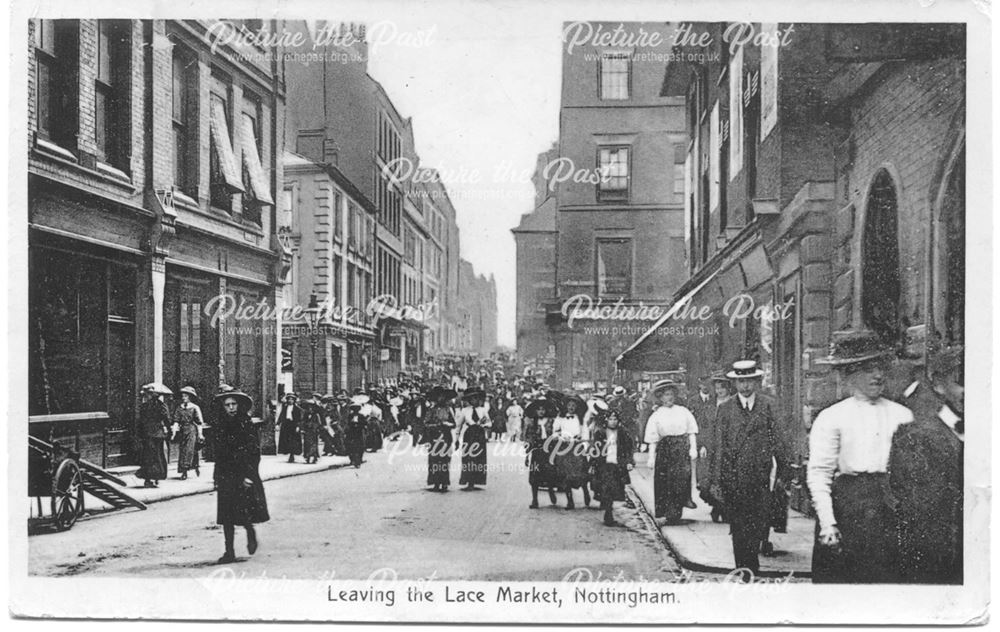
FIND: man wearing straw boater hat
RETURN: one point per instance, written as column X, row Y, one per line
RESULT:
column 849, row 444
column 749, row 448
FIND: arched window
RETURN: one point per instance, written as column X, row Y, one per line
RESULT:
column 951, row 257
column 880, row 287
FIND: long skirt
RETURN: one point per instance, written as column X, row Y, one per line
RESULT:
column 289, row 441
column 153, row 462
column 869, row 552
column 439, row 460
column 310, row 443
column 354, row 443
column 474, row 457
column 187, row 458
column 672, row 476
column 373, row 436
column 610, row 480
column 240, row 505
column 571, row 462
column 542, row 469
column 513, row 427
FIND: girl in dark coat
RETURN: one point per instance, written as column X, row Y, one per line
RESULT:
column 240, row 493
column 612, row 458
column 153, row 422
column 475, row 421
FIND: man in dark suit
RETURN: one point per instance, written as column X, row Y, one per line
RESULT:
column 702, row 406
column 926, row 477
column 749, row 440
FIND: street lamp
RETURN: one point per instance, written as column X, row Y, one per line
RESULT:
column 312, row 314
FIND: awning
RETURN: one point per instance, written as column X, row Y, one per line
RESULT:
column 223, row 147
column 251, row 162
column 660, row 355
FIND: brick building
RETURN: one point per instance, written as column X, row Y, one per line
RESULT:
column 825, row 178
column 620, row 231
column 535, row 243
column 152, row 170
column 339, row 115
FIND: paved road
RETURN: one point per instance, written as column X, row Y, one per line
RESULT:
column 349, row 524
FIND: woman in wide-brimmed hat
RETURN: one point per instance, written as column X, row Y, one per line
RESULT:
column 188, row 422
column 473, row 419
column 289, row 417
column 539, row 417
column 438, row 427
column 612, row 458
column 569, row 450
column 310, row 425
column 153, row 422
column 671, row 430
column 240, row 496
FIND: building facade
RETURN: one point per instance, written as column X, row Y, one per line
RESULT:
column 330, row 227
column 826, row 184
column 152, row 172
column 619, row 213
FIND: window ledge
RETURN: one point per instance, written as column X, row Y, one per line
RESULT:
column 184, row 201
column 62, row 156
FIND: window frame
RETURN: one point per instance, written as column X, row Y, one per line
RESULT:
column 609, row 56
column 611, row 195
column 630, row 284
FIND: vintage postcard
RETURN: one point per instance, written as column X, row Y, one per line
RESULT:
column 500, row 311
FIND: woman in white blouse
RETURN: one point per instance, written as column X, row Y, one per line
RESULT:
column 671, row 433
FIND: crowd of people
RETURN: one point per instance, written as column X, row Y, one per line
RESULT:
column 886, row 485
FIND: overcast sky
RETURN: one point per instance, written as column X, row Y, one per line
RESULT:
column 482, row 88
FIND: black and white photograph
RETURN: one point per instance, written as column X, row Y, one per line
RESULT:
column 500, row 312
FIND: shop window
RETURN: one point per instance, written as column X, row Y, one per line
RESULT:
column 68, row 333
column 880, row 284
column 614, row 267
column 57, row 57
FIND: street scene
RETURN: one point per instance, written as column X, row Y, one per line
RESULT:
column 672, row 302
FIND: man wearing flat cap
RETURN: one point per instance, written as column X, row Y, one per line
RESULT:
column 750, row 449
column 849, row 445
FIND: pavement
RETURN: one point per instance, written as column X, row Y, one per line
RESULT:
column 702, row 545
column 271, row 467
column 377, row 521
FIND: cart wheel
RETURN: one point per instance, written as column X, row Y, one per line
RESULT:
column 67, row 495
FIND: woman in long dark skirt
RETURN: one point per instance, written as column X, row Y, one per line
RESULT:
column 310, row 427
column 439, row 423
column 354, row 434
column 475, row 421
column 153, row 422
column 240, row 491
column 672, row 430
column 289, row 438
column 538, row 423
column 189, row 422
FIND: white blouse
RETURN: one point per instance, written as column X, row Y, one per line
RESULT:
column 568, row 427
column 853, row 436
column 670, row 422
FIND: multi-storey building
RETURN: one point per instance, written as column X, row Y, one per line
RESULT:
column 826, row 180
column 338, row 114
column 152, row 170
column 535, row 243
column 330, row 226
column 619, row 213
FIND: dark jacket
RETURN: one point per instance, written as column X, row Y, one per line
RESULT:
column 153, row 420
column 289, row 441
column 926, row 477
column 237, row 457
column 625, row 452
column 747, row 442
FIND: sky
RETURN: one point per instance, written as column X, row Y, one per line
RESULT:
column 482, row 86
